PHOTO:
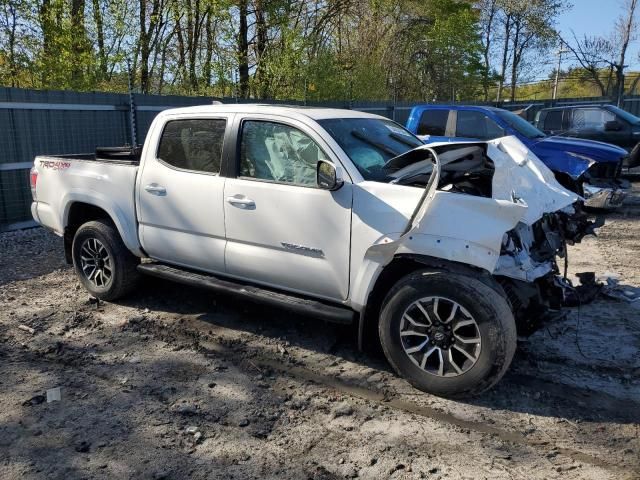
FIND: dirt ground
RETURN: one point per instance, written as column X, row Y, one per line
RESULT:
column 179, row 383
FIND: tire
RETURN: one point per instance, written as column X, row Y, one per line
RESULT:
column 482, row 313
column 102, row 237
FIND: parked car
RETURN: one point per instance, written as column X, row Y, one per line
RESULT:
column 605, row 123
column 591, row 169
column 443, row 251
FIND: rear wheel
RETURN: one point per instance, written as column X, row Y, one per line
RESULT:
column 447, row 334
column 106, row 268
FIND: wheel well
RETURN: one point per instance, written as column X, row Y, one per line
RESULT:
column 79, row 214
column 399, row 267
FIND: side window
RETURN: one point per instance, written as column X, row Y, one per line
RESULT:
column 473, row 124
column 278, row 153
column 193, row 144
column 433, row 122
column 553, row 121
column 591, row 118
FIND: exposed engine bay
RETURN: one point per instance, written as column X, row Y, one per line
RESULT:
column 527, row 267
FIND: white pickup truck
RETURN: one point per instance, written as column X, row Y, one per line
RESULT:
column 440, row 252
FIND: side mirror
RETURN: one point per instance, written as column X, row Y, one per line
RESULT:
column 327, row 176
column 612, row 126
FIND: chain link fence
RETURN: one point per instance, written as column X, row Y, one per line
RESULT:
column 35, row 122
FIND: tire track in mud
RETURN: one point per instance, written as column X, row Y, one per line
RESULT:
column 248, row 358
column 397, row 403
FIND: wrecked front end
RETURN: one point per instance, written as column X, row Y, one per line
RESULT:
column 533, row 262
column 496, row 206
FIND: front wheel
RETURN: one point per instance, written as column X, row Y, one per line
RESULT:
column 106, row 268
column 447, row 334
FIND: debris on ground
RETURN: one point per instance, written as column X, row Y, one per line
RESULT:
column 27, row 329
column 625, row 293
column 53, row 395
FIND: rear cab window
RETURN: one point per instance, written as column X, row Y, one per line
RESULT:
column 433, row 122
column 193, row 144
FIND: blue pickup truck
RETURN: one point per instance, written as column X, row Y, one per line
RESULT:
column 589, row 168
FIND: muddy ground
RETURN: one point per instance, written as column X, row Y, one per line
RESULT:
column 179, row 383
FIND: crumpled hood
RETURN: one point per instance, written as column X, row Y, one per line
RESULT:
column 521, row 177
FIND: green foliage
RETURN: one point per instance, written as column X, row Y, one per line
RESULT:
column 315, row 50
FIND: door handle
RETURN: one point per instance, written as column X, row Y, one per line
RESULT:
column 156, row 189
column 241, row 201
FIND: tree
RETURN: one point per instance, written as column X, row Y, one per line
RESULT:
column 603, row 59
column 593, row 54
column 626, row 27
column 526, row 28
column 488, row 12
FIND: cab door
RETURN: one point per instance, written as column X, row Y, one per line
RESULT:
column 180, row 194
column 282, row 230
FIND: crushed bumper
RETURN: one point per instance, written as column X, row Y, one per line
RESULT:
column 606, row 195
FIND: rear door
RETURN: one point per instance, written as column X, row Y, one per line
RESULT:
column 282, row 230
column 180, row 194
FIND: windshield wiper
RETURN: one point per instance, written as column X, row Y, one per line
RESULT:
column 370, row 141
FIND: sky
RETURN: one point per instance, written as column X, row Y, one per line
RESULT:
column 595, row 17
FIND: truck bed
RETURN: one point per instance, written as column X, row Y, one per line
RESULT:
column 65, row 182
column 120, row 155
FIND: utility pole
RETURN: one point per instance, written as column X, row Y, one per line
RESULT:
column 555, row 84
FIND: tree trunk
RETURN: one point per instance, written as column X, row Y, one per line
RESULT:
column 243, row 50
column 78, row 42
column 47, row 25
column 486, row 52
column 515, row 62
column 627, row 30
column 261, row 47
column 194, row 26
column 144, row 48
column 102, row 55
column 13, row 69
column 206, row 68
column 505, row 56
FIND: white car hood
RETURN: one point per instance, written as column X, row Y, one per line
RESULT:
column 521, row 177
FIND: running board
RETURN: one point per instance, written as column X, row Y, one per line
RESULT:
column 303, row 306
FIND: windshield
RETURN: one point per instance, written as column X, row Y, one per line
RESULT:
column 520, row 124
column 632, row 119
column 370, row 142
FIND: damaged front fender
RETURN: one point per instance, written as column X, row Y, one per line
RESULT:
column 516, row 233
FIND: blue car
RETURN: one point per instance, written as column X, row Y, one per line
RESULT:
column 591, row 169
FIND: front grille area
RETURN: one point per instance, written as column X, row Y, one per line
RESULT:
column 605, row 170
